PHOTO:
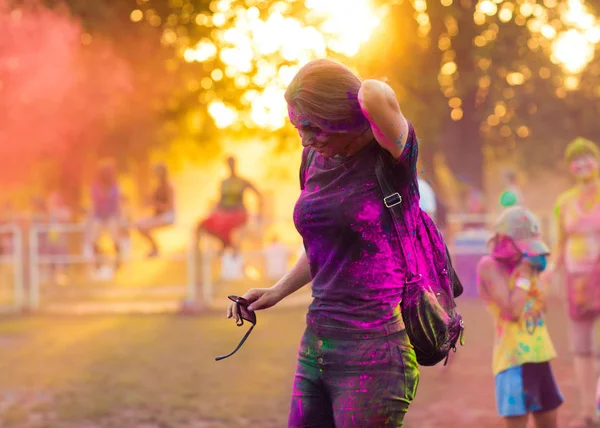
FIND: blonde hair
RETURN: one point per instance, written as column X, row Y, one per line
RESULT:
column 327, row 92
column 581, row 147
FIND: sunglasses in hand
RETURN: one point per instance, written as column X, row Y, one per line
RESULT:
column 243, row 314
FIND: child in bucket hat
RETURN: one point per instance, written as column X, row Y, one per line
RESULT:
column 508, row 282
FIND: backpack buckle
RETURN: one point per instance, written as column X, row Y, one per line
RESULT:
column 392, row 200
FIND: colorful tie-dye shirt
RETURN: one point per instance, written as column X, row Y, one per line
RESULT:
column 518, row 342
column 354, row 254
column 580, row 230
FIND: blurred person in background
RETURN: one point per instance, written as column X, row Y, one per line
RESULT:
column 508, row 282
column 432, row 205
column 230, row 213
column 8, row 216
column 162, row 201
column 277, row 256
column 577, row 258
column 105, row 215
column 428, row 201
column 126, row 224
column 511, row 184
column 356, row 366
column 59, row 214
column 475, row 208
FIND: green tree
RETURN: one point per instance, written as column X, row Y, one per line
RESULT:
column 125, row 120
column 477, row 74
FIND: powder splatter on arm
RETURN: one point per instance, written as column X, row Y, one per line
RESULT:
column 380, row 106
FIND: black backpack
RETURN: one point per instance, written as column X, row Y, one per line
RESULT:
column 433, row 325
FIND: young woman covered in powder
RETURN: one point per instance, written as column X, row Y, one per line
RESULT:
column 356, row 366
column 577, row 257
column 508, row 282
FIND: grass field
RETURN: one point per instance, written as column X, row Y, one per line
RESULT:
column 159, row 371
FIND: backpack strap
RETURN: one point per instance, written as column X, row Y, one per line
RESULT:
column 394, row 202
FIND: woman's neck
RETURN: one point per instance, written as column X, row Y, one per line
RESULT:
column 361, row 142
column 590, row 184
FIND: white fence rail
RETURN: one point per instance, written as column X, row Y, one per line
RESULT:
column 201, row 281
column 78, row 253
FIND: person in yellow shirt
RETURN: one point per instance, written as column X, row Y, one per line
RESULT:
column 577, row 258
column 508, row 282
column 230, row 214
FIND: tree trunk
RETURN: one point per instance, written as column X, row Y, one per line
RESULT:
column 463, row 146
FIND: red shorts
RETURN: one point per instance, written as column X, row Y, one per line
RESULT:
column 222, row 223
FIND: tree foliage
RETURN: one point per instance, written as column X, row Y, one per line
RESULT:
column 57, row 93
column 476, row 77
column 79, row 81
column 477, row 80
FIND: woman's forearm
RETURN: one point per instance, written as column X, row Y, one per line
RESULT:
column 295, row 279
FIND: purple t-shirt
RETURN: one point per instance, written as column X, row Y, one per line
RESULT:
column 354, row 253
column 105, row 201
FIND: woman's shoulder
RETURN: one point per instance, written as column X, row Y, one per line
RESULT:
column 567, row 197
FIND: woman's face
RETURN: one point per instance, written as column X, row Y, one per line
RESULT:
column 584, row 167
column 327, row 143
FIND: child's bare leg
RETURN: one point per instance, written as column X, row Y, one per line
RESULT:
column 547, row 419
column 516, row 421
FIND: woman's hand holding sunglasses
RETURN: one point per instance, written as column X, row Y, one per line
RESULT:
column 243, row 309
column 259, row 298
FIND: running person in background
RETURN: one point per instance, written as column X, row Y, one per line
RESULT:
column 577, row 256
column 508, row 282
column 231, row 212
column 106, row 210
column 162, row 201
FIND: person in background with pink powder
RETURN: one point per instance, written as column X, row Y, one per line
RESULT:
column 509, row 284
column 105, row 216
column 577, row 258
